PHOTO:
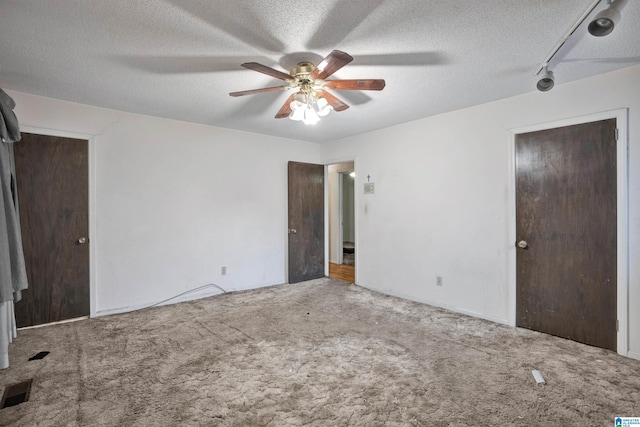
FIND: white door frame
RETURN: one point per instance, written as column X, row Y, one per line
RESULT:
column 622, row 147
column 340, row 217
column 90, row 138
column 327, row 239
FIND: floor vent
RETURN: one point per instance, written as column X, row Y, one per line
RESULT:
column 16, row 394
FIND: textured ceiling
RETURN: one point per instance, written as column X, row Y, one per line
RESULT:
column 179, row 59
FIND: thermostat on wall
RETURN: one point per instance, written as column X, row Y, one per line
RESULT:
column 369, row 188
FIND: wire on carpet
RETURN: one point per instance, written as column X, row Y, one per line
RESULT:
column 184, row 293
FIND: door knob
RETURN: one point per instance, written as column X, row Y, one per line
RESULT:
column 522, row 244
column 82, row 240
column 292, row 231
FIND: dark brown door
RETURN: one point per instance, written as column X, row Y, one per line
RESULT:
column 306, row 221
column 52, row 180
column 566, row 230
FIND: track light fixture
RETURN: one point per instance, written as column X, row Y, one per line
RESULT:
column 546, row 81
column 603, row 23
column 606, row 20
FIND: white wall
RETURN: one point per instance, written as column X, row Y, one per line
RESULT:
column 175, row 201
column 441, row 206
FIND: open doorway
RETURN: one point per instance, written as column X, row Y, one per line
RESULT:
column 348, row 218
column 342, row 241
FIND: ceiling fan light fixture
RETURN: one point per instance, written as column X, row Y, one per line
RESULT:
column 297, row 114
column 322, row 107
column 308, row 108
column 310, row 116
column 298, row 105
column 299, row 101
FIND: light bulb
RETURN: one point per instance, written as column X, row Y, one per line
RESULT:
column 297, row 114
column 310, row 117
column 295, row 104
column 323, row 108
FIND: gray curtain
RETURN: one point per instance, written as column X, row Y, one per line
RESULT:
column 13, row 275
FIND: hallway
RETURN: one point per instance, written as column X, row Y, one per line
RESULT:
column 346, row 273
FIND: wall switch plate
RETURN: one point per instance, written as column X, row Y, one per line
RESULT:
column 438, row 280
column 369, row 188
column 223, row 271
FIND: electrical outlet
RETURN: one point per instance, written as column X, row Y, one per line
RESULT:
column 223, row 271
column 438, row 280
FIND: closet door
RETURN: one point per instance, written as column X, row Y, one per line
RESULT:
column 566, row 225
column 306, row 221
column 53, row 180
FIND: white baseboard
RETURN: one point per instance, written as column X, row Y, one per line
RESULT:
column 444, row 306
column 183, row 298
column 60, row 322
column 633, row 355
column 630, row 354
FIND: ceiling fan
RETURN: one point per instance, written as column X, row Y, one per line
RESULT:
column 310, row 99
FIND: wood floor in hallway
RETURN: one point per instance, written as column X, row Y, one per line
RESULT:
column 346, row 273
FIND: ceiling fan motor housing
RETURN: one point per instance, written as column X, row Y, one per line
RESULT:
column 302, row 70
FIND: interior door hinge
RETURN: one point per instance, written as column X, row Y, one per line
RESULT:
column 616, row 134
column 617, row 325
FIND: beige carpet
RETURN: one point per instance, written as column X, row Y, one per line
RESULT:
column 320, row 353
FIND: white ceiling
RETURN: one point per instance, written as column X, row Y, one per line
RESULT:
column 179, row 59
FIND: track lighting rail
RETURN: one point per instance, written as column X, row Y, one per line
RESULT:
column 566, row 37
column 603, row 24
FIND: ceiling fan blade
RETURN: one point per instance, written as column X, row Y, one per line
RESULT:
column 370, row 84
column 254, row 91
column 267, row 70
column 286, row 108
column 330, row 64
column 336, row 103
